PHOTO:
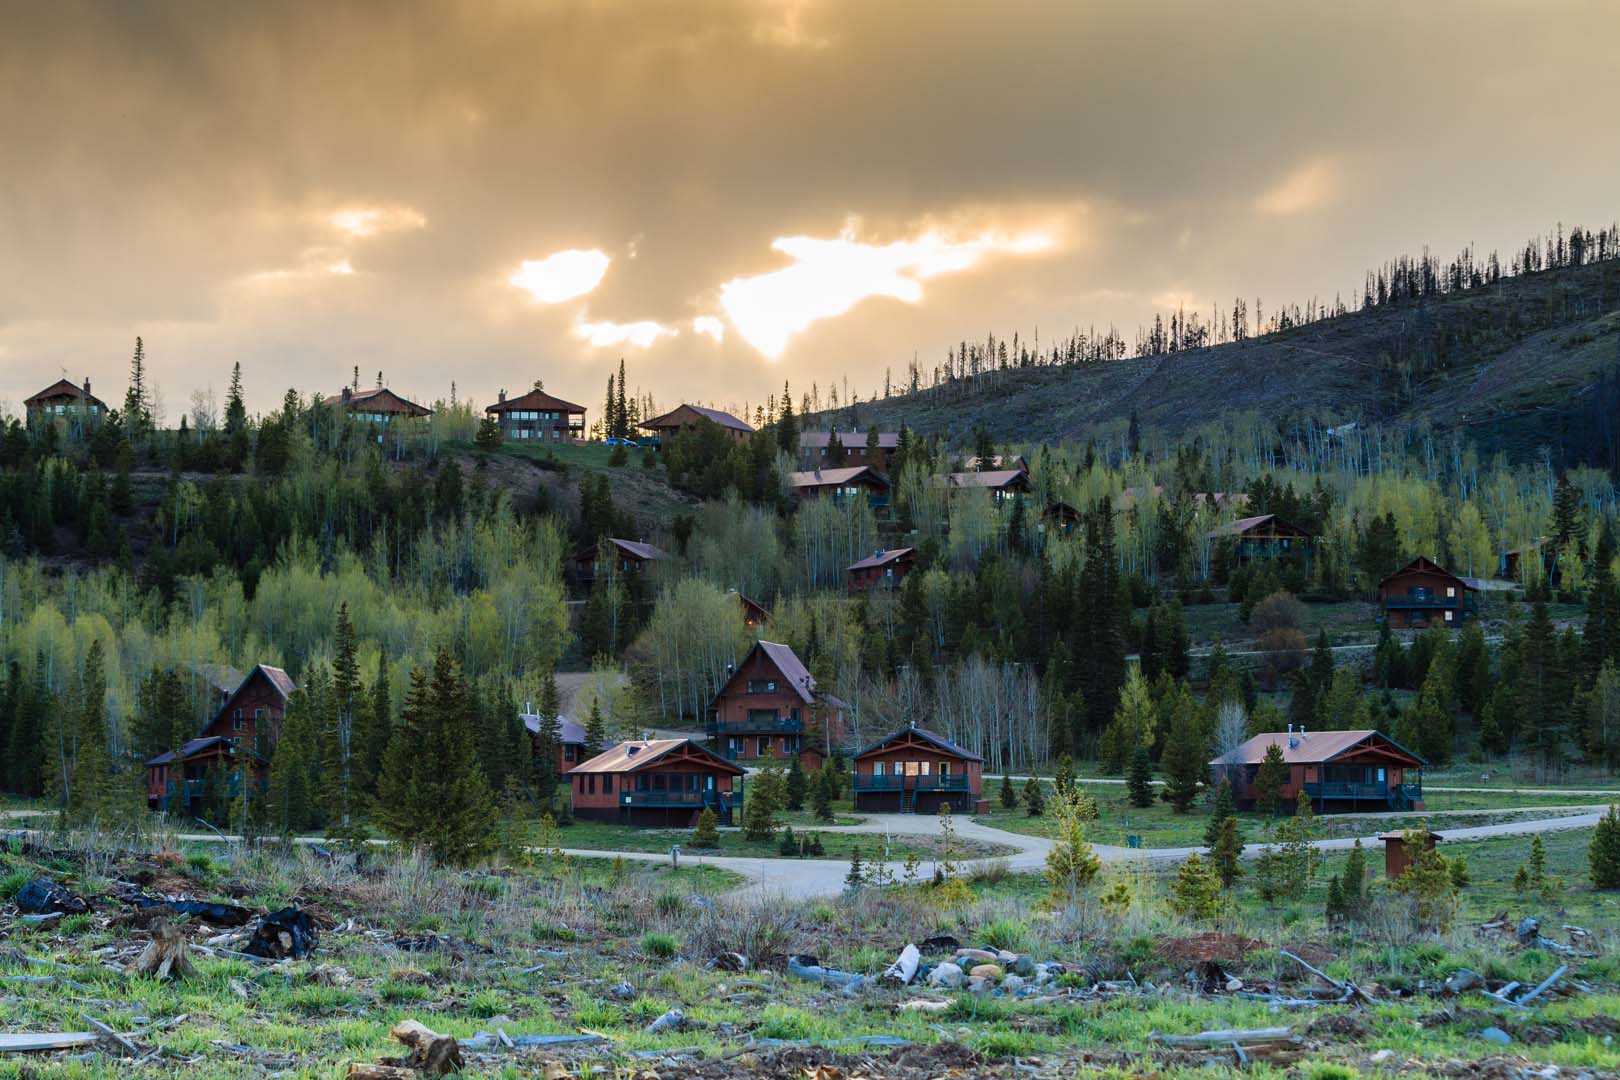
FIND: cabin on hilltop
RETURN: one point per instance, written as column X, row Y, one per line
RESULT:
column 538, row 417
column 686, row 417
column 624, row 556
column 841, row 485
column 915, row 770
column 769, row 708
column 64, row 400
column 378, row 405
column 1339, row 771
column 665, row 782
column 1423, row 593
column 884, row 569
column 248, row 723
column 836, row 449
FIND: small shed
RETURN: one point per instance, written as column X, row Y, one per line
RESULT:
column 1396, row 857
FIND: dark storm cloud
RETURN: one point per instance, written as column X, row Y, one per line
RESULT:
column 172, row 170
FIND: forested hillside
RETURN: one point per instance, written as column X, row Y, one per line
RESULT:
column 1518, row 356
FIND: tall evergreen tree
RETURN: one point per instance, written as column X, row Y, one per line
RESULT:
column 1542, row 692
column 344, row 734
column 1269, row 781
column 90, row 768
column 1139, row 781
column 1185, row 761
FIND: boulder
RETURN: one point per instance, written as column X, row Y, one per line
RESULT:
column 947, row 975
column 1012, row 983
column 975, row 956
column 1022, row 965
column 978, row 984
column 1496, row 1035
column 986, row 971
column 624, row 992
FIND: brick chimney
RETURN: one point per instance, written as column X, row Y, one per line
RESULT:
column 87, row 385
column 348, row 395
column 501, row 396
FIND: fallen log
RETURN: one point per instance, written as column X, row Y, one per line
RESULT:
column 1545, row 984
column 1226, row 1038
column 904, row 968
column 31, row 1042
column 485, row 1041
column 842, row 980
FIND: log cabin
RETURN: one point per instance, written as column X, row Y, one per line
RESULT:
column 659, row 782
column 816, row 450
column 63, row 400
column 537, row 417
column 1423, row 593
column 769, row 709
column 1339, row 771
column 570, row 749
column 1002, row 484
column 884, row 569
column 915, row 770
column 1263, row 536
column 685, row 417
column 841, row 485
column 246, row 727
column 379, row 405
column 623, row 556
column 754, row 614
column 1060, row 517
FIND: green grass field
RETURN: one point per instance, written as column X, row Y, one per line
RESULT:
column 600, row 836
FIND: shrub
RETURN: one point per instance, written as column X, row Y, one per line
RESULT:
column 1009, row 934
column 1604, row 854
column 707, row 832
column 1196, row 891
column 669, row 905
column 659, row 946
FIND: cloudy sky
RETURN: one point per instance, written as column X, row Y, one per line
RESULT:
column 730, row 193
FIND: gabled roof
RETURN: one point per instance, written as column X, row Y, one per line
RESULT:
column 61, row 388
column 674, row 419
column 993, row 479
column 937, row 740
column 814, row 478
column 1243, row 525
column 636, row 548
column 880, row 558
column 378, row 399
column 635, row 755
column 1422, row 565
column 569, row 732
column 1309, row 748
column 751, row 608
column 190, row 748
column 787, row 664
column 820, row 440
column 535, row 399
column 279, row 679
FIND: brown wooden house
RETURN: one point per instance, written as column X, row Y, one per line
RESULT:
column 841, row 485
column 769, row 708
column 915, row 770
column 655, row 782
column 689, row 416
column 884, row 569
column 754, row 614
column 816, row 449
column 378, row 405
column 245, row 728
column 1060, row 517
column 625, row 556
column 1263, row 536
column 537, row 417
column 63, row 400
column 1339, row 771
column 1423, row 593
column 570, row 740
column 1002, row 484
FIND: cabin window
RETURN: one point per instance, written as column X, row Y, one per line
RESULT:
column 570, row 752
column 236, row 721
column 660, row 782
column 1448, row 615
column 1380, row 776
column 590, row 785
column 877, row 768
column 607, row 785
column 764, row 745
column 1451, row 590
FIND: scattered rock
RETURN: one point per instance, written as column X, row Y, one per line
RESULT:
column 992, row 972
column 1012, row 983
column 947, row 975
column 976, row 956
column 624, row 992
column 1023, row 965
column 1496, row 1035
column 673, row 1020
column 978, row 984
column 1382, row 1056
column 1463, row 980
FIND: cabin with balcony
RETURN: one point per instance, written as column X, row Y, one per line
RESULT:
column 570, row 749
column 656, row 782
column 537, row 417
column 916, row 770
column 613, row 555
column 1422, row 593
column 1004, row 485
column 245, row 729
column 1060, row 518
column 379, row 405
column 64, row 401
column 770, row 710
column 841, row 485
column 839, row 449
column 884, row 569
column 686, row 417
column 1339, row 771
column 1263, row 536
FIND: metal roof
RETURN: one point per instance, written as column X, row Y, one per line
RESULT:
column 1305, row 747
column 632, row 755
column 927, row 736
column 880, row 558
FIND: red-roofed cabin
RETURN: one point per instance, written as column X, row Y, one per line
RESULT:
column 378, row 405
column 665, row 782
column 769, row 708
column 882, row 569
column 248, row 723
column 1339, row 771
column 1423, row 593
column 538, row 417
column 915, row 770
column 62, row 399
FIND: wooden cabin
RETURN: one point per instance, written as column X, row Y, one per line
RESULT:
column 248, row 723
column 816, row 450
column 625, row 556
column 570, row 748
column 884, row 569
column 660, row 782
column 537, row 417
column 1423, row 593
column 1002, row 484
column 1264, row 536
column 769, row 709
column 1061, row 518
column 1396, row 855
column 63, row 400
column 915, row 770
column 686, row 417
column 378, row 405
column 841, row 485
column 754, row 614
column 1339, row 771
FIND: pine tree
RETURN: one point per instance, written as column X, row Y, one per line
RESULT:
column 758, row 816
column 1225, row 807
column 1140, row 780
column 1185, row 762
column 379, row 724
column 137, row 405
column 707, row 833
column 1063, row 781
column 90, row 765
column 1227, row 853
column 1353, row 881
column 1541, row 692
column 488, row 437
column 1269, row 781
column 1071, row 865
column 1604, row 853
column 293, row 798
column 823, row 792
column 345, row 728
column 1536, row 866
column 595, row 732
column 857, row 872
column 1009, row 796
column 1034, row 800
column 1196, row 890
column 797, row 785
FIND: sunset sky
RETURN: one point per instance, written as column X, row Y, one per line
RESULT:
column 736, row 192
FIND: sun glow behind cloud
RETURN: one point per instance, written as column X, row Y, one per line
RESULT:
column 561, row 276
column 641, row 334
column 830, row 276
column 364, row 221
column 709, row 326
column 1309, row 186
